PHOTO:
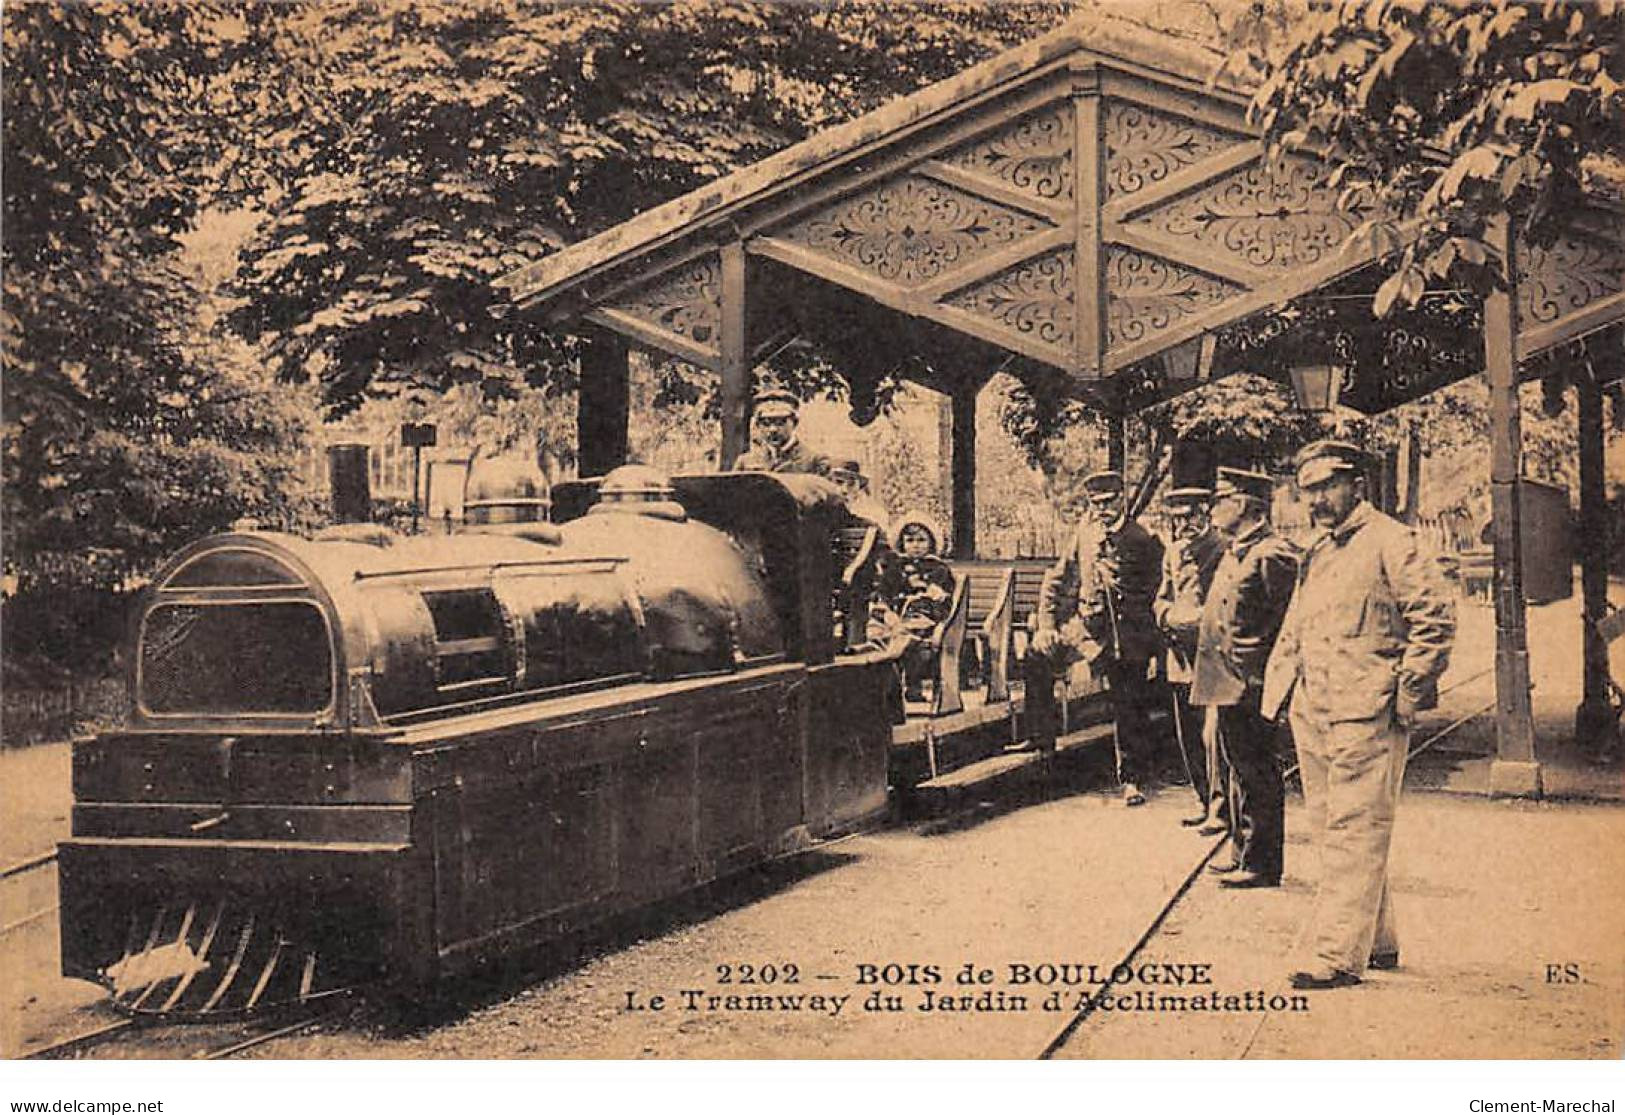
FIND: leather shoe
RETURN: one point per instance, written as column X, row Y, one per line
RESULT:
column 1192, row 822
column 1224, row 868
column 1323, row 981
column 1213, row 828
column 1132, row 795
column 1250, row 879
column 1384, row 961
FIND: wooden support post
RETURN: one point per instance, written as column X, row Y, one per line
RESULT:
column 964, row 467
column 736, row 396
column 1089, row 196
column 1594, row 723
column 1412, row 448
column 602, row 403
column 1390, row 481
column 1515, row 771
column 1116, row 443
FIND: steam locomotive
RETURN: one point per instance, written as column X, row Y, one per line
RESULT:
column 368, row 758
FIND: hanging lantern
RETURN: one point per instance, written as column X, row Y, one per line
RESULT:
column 1316, row 387
column 1192, row 359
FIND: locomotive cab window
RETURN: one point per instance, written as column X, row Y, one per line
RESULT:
column 472, row 643
column 234, row 658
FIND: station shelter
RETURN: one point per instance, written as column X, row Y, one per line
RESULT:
column 1093, row 213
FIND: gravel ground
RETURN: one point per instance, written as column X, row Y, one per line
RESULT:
column 1488, row 894
column 1074, row 880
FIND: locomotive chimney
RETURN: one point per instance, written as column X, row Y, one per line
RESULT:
column 349, row 482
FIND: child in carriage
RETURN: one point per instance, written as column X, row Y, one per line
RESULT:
column 916, row 591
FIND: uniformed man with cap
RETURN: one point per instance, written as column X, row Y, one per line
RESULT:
column 1240, row 621
column 777, row 448
column 1188, row 562
column 1095, row 606
column 1364, row 641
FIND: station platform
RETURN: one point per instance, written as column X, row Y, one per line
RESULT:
column 1511, row 911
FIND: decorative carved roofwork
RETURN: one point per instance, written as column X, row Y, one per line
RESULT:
column 1568, row 276
column 911, row 230
column 1147, row 294
column 1274, row 219
column 1034, row 299
column 1144, row 146
column 1088, row 201
column 687, row 303
column 1034, row 155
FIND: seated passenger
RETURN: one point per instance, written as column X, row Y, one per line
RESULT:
column 916, row 592
column 848, row 476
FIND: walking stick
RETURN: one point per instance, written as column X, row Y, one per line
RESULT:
column 1117, row 655
column 1184, row 756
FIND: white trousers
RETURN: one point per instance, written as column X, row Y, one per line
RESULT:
column 1352, row 772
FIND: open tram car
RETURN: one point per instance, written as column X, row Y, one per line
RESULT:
column 376, row 758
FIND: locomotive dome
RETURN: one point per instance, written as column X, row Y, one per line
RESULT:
column 704, row 602
column 639, row 490
column 510, row 488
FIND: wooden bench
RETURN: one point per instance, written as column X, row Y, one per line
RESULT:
column 988, row 611
column 1027, row 576
column 857, row 553
column 946, row 642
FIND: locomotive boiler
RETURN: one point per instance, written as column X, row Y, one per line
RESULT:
column 369, row 758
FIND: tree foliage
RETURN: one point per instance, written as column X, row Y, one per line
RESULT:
column 1451, row 114
column 441, row 144
column 129, row 427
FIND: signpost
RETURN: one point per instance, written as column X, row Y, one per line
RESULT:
column 414, row 436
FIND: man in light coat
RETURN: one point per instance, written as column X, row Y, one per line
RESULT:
column 1360, row 652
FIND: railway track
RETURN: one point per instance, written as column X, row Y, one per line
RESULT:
column 27, row 883
column 22, row 880
column 179, row 1041
column 1069, row 1029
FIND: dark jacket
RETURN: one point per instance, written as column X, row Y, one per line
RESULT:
column 1106, row 578
column 1187, row 572
column 905, row 587
column 1242, row 617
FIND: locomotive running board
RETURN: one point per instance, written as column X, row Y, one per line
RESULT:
column 207, row 962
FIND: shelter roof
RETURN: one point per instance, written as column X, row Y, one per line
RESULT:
column 1088, row 202
column 1102, row 37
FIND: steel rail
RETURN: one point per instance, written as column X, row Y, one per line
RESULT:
column 260, row 1039
column 29, row 919
column 33, row 863
column 1064, row 1034
column 69, row 1046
